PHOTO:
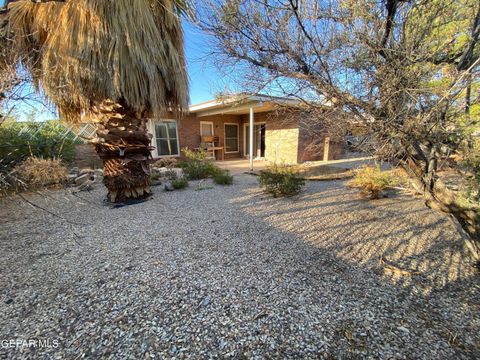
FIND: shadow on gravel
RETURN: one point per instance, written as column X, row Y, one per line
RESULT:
column 232, row 273
column 397, row 241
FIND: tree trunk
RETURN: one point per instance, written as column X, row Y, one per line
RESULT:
column 468, row 93
column 439, row 197
column 123, row 144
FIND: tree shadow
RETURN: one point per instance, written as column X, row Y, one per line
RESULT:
column 307, row 268
column 397, row 241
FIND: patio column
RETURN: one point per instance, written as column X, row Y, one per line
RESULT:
column 251, row 139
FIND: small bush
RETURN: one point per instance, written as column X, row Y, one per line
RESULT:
column 194, row 155
column 223, row 177
column 372, row 181
column 40, row 172
column 179, row 183
column 171, row 175
column 471, row 164
column 281, row 181
column 198, row 165
column 154, row 175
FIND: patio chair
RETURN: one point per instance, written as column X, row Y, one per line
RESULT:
column 212, row 144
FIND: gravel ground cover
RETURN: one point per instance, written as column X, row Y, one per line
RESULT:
column 228, row 272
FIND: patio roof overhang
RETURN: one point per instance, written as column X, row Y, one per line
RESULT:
column 240, row 105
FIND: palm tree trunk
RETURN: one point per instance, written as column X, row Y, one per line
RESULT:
column 123, row 144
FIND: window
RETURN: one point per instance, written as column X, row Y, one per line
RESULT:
column 231, row 138
column 206, row 128
column 167, row 138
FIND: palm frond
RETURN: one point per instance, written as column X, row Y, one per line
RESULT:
column 83, row 52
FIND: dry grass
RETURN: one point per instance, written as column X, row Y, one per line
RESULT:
column 165, row 162
column 40, row 172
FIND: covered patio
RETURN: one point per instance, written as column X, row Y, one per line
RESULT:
column 240, row 111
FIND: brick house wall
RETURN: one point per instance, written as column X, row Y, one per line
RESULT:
column 189, row 131
column 288, row 139
column 293, row 138
column 192, row 135
column 312, row 142
column 86, row 157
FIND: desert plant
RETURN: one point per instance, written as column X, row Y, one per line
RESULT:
column 179, row 182
column 196, row 155
column 40, row 172
column 171, row 175
column 198, row 165
column 154, row 175
column 372, row 181
column 471, row 162
column 281, row 181
column 223, row 177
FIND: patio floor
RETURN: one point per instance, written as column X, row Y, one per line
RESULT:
column 239, row 166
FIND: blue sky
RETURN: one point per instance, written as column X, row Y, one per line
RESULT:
column 205, row 78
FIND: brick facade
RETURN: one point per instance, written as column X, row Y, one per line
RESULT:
column 288, row 139
column 311, row 142
column 86, row 157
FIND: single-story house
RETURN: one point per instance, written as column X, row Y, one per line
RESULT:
column 278, row 135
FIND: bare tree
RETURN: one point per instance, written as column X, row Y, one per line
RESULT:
column 401, row 68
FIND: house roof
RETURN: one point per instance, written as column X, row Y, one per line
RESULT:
column 240, row 104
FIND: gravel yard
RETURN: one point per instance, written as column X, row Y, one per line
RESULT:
column 227, row 272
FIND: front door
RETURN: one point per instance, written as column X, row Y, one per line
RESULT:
column 258, row 140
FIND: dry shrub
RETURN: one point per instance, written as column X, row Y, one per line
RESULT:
column 372, row 181
column 165, row 162
column 40, row 172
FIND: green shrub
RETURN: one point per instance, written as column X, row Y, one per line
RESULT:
column 223, row 177
column 171, row 175
column 154, row 175
column 281, row 181
column 42, row 140
column 372, row 181
column 198, row 165
column 472, row 162
column 179, row 183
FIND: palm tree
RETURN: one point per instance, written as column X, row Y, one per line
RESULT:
column 114, row 62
